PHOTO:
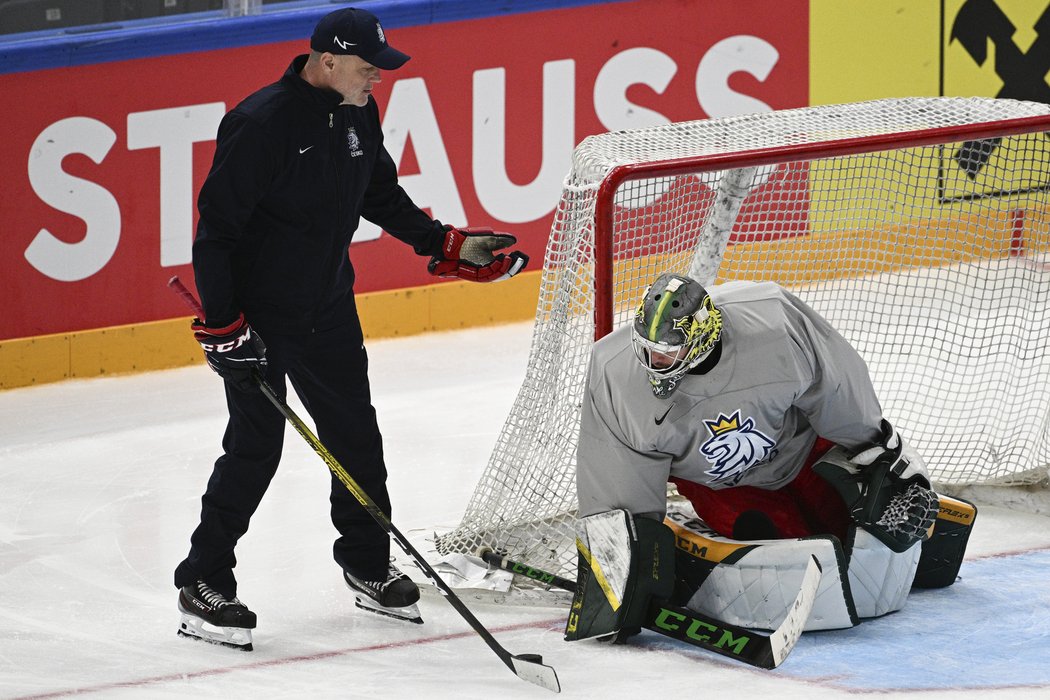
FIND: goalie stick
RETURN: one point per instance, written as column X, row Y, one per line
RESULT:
column 528, row 667
column 691, row 627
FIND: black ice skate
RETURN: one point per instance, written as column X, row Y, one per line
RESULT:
column 395, row 597
column 209, row 616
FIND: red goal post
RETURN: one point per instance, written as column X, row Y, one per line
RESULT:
column 919, row 227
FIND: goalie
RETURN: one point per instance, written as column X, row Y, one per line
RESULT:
column 765, row 419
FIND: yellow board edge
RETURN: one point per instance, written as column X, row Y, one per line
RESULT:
column 154, row 345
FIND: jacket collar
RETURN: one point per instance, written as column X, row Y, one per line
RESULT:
column 326, row 100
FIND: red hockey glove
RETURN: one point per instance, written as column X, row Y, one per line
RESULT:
column 235, row 352
column 468, row 254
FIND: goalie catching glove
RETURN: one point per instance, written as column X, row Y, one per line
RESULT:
column 235, row 352
column 886, row 490
column 469, row 254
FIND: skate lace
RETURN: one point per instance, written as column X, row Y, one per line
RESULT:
column 210, row 596
column 392, row 575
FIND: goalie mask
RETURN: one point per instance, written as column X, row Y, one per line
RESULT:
column 675, row 328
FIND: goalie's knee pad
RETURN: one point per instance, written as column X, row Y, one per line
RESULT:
column 753, row 584
column 943, row 552
column 624, row 562
column 879, row 577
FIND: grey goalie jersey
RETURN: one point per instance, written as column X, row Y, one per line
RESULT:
column 785, row 376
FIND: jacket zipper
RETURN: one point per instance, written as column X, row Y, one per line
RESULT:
column 332, row 262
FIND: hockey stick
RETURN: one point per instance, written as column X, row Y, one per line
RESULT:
column 691, row 627
column 528, row 667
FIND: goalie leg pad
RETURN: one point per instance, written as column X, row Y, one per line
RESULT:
column 943, row 553
column 624, row 562
column 753, row 584
column 879, row 577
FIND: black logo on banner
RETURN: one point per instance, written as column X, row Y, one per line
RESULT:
column 980, row 23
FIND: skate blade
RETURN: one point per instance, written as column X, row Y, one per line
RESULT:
column 409, row 613
column 193, row 627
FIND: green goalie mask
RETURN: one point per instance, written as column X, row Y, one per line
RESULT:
column 675, row 328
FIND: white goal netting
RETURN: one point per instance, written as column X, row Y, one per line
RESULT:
column 918, row 227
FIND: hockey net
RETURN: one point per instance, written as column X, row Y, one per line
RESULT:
column 918, row 227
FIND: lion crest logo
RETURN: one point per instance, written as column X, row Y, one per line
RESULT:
column 734, row 447
column 354, row 142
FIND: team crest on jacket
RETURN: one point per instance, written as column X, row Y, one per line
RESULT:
column 734, row 447
column 354, row 142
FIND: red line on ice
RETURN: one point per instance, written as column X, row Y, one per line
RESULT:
column 270, row 663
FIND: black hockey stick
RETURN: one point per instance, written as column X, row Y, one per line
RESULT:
column 529, row 667
column 691, row 627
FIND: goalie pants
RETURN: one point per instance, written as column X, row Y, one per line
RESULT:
column 806, row 506
column 329, row 372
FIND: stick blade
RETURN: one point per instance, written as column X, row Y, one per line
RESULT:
column 530, row 667
column 784, row 637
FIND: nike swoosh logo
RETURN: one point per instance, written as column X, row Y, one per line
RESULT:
column 660, row 420
column 304, row 150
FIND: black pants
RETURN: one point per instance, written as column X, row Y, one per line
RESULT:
column 329, row 372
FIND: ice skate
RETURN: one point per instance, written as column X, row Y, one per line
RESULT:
column 207, row 615
column 394, row 597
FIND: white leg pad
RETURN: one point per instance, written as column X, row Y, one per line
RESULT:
column 879, row 577
column 757, row 591
column 754, row 583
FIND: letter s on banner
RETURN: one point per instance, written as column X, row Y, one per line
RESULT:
column 71, row 262
column 637, row 66
column 735, row 54
column 174, row 131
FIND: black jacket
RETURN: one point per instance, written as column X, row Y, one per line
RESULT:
column 293, row 173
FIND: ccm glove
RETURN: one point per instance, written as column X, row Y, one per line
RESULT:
column 235, row 352
column 886, row 488
column 469, row 254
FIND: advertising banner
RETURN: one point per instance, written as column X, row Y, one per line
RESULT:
column 101, row 163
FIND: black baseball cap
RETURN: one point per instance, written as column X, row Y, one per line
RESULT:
column 354, row 32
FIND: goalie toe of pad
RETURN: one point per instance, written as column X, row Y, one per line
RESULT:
column 942, row 554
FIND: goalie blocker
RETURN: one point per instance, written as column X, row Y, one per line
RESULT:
column 624, row 562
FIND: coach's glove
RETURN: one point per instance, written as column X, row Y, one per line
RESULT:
column 235, row 352
column 468, row 254
column 891, row 450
